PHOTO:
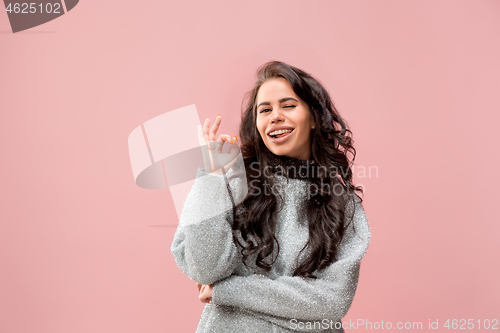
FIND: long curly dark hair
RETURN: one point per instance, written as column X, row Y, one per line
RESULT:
column 255, row 217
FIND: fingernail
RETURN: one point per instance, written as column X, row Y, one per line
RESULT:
column 231, row 140
column 236, row 138
column 218, row 115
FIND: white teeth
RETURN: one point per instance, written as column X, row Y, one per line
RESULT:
column 280, row 132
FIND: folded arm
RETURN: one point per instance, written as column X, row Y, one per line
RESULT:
column 203, row 245
column 290, row 297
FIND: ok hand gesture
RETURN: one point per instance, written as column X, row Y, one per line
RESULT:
column 213, row 158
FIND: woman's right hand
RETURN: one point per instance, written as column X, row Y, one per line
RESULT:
column 201, row 289
column 213, row 158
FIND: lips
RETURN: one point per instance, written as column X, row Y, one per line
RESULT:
column 282, row 138
column 277, row 128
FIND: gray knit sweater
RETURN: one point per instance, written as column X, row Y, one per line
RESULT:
column 242, row 301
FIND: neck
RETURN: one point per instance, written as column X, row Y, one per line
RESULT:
column 292, row 167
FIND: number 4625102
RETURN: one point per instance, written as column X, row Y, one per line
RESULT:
column 469, row 324
column 25, row 8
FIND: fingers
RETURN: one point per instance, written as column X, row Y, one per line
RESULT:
column 205, row 295
column 224, row 138
column 236, row 145
column 206, row 125
column 209, row 133
column 199, row 285
column 235, row 151
column 204, row 298
column 215, row 127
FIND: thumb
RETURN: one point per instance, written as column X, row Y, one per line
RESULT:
column 235, row 150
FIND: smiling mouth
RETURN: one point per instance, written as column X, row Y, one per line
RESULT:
column 277, row 136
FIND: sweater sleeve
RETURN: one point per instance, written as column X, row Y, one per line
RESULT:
column 203, row 246
column 288, row 298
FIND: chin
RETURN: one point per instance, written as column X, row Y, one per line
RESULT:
column 280, row 151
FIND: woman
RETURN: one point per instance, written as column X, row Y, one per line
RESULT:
column 286, row 256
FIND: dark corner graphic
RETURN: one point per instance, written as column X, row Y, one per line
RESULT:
column 26, row 15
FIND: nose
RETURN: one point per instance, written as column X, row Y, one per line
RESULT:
column 277, row 115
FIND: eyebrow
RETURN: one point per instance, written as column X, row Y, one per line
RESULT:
column 281, row 101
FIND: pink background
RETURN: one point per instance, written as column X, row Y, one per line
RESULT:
column 84, row 249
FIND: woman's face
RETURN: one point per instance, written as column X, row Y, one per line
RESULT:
column 279, row 108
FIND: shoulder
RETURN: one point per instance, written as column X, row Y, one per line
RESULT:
column 357, row 226
column 353, row 204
